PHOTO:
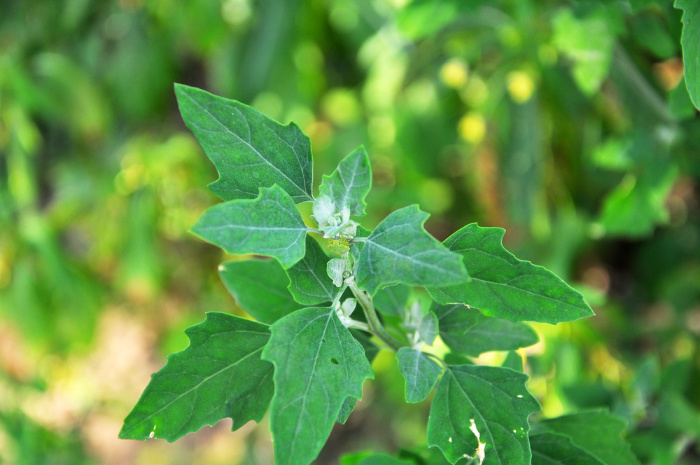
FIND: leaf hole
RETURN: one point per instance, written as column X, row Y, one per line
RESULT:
column 334, row 361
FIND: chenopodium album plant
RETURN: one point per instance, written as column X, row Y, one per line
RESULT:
column 333, row 294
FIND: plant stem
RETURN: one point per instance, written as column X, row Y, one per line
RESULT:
column 375, row 325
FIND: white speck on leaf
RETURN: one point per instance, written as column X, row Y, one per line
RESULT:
column 153, row 433
column 520, row 396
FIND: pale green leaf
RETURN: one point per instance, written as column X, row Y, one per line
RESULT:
column 399, row 250
column 318, row 365
column 268, row 225
column 597, row 432
column 690, row 42
column 260, row 288
column 219, row 375
column 428, row 328
column 588, row 41
column 496, row 401
column 392, row 300
column 349, row 184
column 420, row 372
column 557, row 449
column 309, row 282
column 505, row 287
column 248, row 149
column 468, row 332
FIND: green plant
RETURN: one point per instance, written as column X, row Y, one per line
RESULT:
column 310, row 351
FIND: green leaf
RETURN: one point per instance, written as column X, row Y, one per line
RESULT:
column 318, row 365
column 399, row 250
column 505, row 287
column 513, row 361
column 420, row 371
column 371, row 351
column 468, row 332
column 269, row 225
column 598, row 433
column 428, row 328
column 368, row 458
column 588, row 41
column 309, row 282
column 349, row 184
column 490, row 401
column 557, row 449
column 690, row 42
column 248, row 149
column 260, row 288
column 219, row 375
column 392, row 300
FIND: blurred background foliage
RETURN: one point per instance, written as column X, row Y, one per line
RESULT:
column 567, row 123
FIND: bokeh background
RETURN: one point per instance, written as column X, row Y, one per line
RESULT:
column 567, row 123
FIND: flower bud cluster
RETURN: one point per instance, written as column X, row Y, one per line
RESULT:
column 334, row 224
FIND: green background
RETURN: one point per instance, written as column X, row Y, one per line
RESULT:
column 567, row 123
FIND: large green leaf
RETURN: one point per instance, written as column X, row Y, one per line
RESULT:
column 371, row 351
column 505, row 287
column 318, row 365
column 690, row 41
column 399, row 250
column 309, row 280
column 219, row 375
column 490, row 401
column 348, row 185
column 269, row 225
column 557, row 449
column 598, row 433
column 248, row 149
column 260, row 288
column 467, row 331
column 420, row 372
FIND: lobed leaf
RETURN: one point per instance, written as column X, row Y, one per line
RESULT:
column 496, row 401
column 260, row 288
column 399, row 250
column 248, row 149
column 505, row 287
column 350, row 183
column 598, row 433
column 318, row 365
column 268, row 225
column 420, row 372
column 467, row 331
column 690, row 42
column 309, row 282
column 219, row 375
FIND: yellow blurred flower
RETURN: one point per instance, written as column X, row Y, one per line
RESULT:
column 454, row 73
column 472, row 127
column 520, row 86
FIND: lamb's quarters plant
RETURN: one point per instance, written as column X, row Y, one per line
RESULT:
column 322, row 318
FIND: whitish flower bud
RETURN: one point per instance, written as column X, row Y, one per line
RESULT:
column 349, row 306
column 323, row 210
column 336, row 269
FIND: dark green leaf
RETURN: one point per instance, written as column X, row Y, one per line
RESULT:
column 260, row 288
column 399, row 250
column 392, row 300
column 513, row 361
column 489, row 400
column 348, row 185
column 483, row 333
column 309, row 281
column 219, row 375
column 318, row 365
column 557, row 449
column 690, row 42
column 598, row 433
column 505, row 287
column 420, row 371
column 269, row 225
column 248, row 149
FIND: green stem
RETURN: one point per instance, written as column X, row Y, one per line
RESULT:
column 373, row 322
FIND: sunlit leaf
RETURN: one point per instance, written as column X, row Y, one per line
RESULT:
column 318, row 365
column 248, row 149
column 399, row 250
column 268, row 225
column 219, row 375
column 505, row 287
